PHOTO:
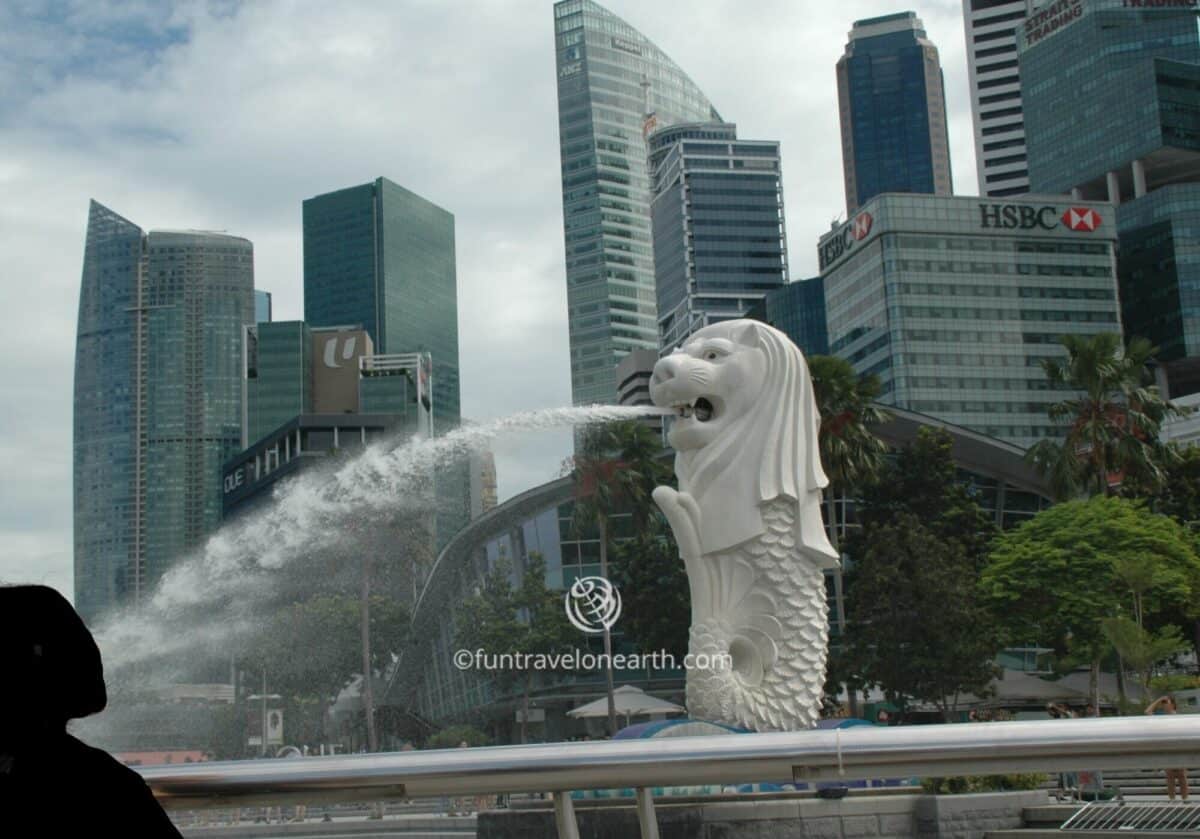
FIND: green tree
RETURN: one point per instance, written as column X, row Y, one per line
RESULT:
column 1141, row 649
column 509, row 623
column 922, row 481
column 915, row 626
column 1179, row 495
column 1055, row 579
column 617, row 467
column 655, row 595
column 453, row 736
column 1112, row 424
column 328, row 628
column 918, row 630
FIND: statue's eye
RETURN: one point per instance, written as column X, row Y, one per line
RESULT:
column 711, row 355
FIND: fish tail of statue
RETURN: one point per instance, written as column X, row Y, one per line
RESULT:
column 759, row 648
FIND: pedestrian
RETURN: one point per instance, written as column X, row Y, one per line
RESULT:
column 1175, row 777
column 53, row 674
column 1068, row 782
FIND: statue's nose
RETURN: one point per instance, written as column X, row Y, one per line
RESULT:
column 665, row 370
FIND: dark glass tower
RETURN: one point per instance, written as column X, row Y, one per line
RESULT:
column 719, row 242
column 157, row 399
column 893, row 111
column 797, row 310
column 107, row 503
column 382, row 257
column 610, row 77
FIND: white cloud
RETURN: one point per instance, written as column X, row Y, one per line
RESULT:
column 220, row 116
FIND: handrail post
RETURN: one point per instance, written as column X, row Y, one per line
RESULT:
column 645, row 812
column 564, row 816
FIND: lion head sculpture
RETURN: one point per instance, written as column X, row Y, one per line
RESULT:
column 745, row 432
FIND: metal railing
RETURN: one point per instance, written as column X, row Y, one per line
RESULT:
column 1142, row 817
column 802, row 756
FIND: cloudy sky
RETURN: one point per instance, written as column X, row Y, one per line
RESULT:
column 226, row 116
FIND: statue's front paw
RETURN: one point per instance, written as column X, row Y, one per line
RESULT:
column 681, row 512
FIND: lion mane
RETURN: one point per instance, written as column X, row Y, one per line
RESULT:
column 768, row 452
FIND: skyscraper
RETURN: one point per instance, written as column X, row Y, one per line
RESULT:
column 955, row 302
column 717, row 212
column 157, row 399
column 797, row 310
column 1112, row 112
column 610, row 77
column 992, row 27
column 382, row 257
column 893, row 110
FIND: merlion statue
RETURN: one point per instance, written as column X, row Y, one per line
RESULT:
column 747, row 518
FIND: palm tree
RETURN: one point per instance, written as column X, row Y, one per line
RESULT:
column 851, row 454
column 616, row 468
column 1114, row 418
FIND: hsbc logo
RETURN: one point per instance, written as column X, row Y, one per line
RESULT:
column 844, row 240
column 1083, row 219
column 1026, row 217
column 861, row 226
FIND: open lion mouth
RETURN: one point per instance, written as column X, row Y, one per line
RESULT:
column 701, row 409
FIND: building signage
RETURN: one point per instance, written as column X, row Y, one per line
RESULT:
column 235, row 479
column 570, row 69
column 1083, row 219
column 1046, row 21
column 844, row 240
column 626, row 46
column 861, row 226
column 335, row 371
column 1027, row 217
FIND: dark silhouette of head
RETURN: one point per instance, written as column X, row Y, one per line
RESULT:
column 50, row 661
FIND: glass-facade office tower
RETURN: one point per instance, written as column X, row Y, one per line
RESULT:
column 158, row 399
column 610, row 77
column 892, row 105
column 1112, row 111
column 955, row 302
column 717, row 213
column 381, row 257
column 277, row 375
column 798, row 310
column 994, row 74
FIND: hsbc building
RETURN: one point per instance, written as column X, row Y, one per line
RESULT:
column 955, row 301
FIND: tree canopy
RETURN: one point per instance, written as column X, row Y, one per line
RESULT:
column 1112, row 423
column 507, row 621
column 1056, row 579
column 916, row 628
